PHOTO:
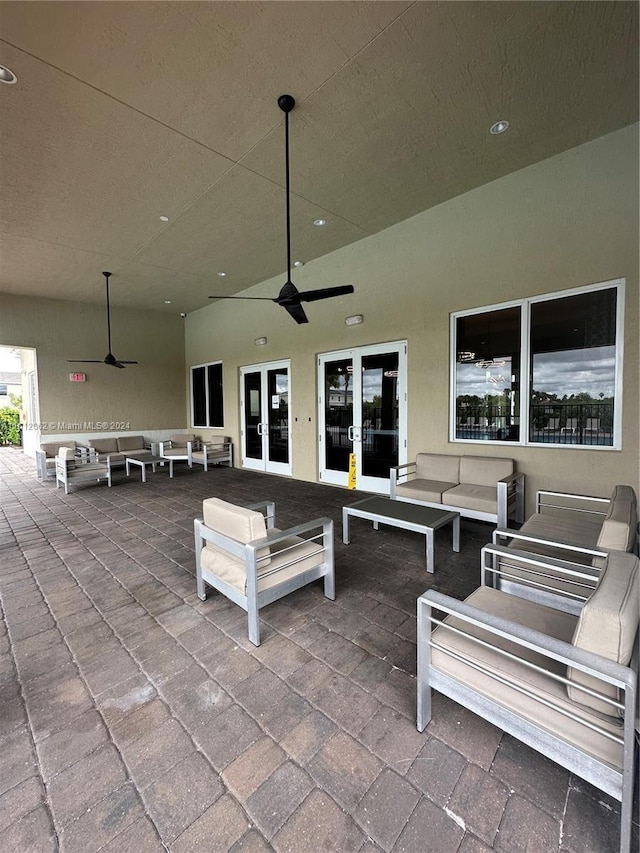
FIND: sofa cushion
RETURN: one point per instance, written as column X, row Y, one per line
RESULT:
column 484, row 470
column 438, row 467
column 608, row 625
column 181, row 439
column 619, row 529
column 104, row 445
column 469, row 496
column 423, row 490
column 51, row 448
column 130, row 442
column 235, row 522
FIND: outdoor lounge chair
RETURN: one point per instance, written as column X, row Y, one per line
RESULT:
column 180, row 446
column 564, row 684
column 241, row 554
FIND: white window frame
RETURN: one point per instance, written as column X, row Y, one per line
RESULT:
column 525, row 372
column 193, row 367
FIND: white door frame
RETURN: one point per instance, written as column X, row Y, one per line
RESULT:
column 265, row 463
column 357, row 431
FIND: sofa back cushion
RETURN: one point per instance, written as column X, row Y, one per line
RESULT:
column 130, row 442
column 181, row 439
column 484, row 470
column 104, row 445
column 620, row 526
column 67, row 453
column 438, row 466
column 608, row 625
column 51, row 448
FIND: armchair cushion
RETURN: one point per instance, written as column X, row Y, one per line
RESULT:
column 621, row 521
column 51, row 448
column 181, row 439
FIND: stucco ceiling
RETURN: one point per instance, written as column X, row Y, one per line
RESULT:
column 126, row 111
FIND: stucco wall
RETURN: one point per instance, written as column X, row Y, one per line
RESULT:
column 568, row 221
column 146, row 396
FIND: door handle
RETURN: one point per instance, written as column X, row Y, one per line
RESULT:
column 350, row 434
column 260, row 427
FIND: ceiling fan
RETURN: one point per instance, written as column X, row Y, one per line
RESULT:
column 290, row 298
column 109, row 359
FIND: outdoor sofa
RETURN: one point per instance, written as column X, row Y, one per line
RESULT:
column 479, row 487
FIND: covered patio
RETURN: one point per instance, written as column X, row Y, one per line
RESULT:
column 136, row 717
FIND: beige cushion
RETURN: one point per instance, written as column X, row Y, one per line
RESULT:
column 438, row 466
column 51, row 448
column 130, row 442
column 469, row 496
column 242, row 525
column 548, row 621
column 423, row 490
column 181, row 439
column 104, row 445
column 484, row 470
column 619, row 529
column 67, row 453
column 608, row 624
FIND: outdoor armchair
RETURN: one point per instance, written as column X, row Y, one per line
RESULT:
column 179, row 447
column 71, row 469
column 240, row 553
column 214, row 451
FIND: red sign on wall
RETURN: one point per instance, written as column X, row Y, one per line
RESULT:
column 77, row 377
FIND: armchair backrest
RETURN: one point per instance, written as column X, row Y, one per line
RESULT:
column 181, row 439
column 620, row 526
column 51, row 448
column 235, row 522
column 608, row 625
column 104, row 445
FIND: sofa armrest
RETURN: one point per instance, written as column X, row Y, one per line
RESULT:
column 399, row 474
column 585, row 503
column 510, row 490
column 502, row 534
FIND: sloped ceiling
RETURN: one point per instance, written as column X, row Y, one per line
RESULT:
column 125, row 111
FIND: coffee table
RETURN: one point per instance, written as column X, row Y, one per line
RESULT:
column 143, row 461
column 406, row 516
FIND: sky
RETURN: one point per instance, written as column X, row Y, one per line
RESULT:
column 9, row 362
column 568, row 372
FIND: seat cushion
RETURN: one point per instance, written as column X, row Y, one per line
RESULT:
column 130, row 442
column 272, row 571
column 550, row 622
column 484, row 470
column 423, row 490
column 608, row 624
column 237, row 523
column 438, row 467
column 470, row 496
column 104, row 445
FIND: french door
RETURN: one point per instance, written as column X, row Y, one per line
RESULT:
column 362, row 410
column 264, row 407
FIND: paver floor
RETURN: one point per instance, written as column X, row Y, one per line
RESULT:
column 134, row 717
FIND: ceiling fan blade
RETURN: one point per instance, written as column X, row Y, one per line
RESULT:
column 325, row 293
column 85, row 360
column 259, row 298
column 127, row 362
column 297, row 311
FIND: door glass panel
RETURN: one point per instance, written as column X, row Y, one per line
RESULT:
column 338, row 401
column 278, row 402
column 252, row 410
column 379, row 414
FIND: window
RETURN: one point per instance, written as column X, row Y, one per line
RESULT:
column 206, row 395
column 4, row 390
column 544, row 370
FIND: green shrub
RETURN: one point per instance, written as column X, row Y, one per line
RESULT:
column 10, row 426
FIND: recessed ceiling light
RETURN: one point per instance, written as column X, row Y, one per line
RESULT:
column 164, row 219
column 298, row 263
column 499, row 127
column 167, row 302
column 319, row 222
column 221, row 274
column 7, row 75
